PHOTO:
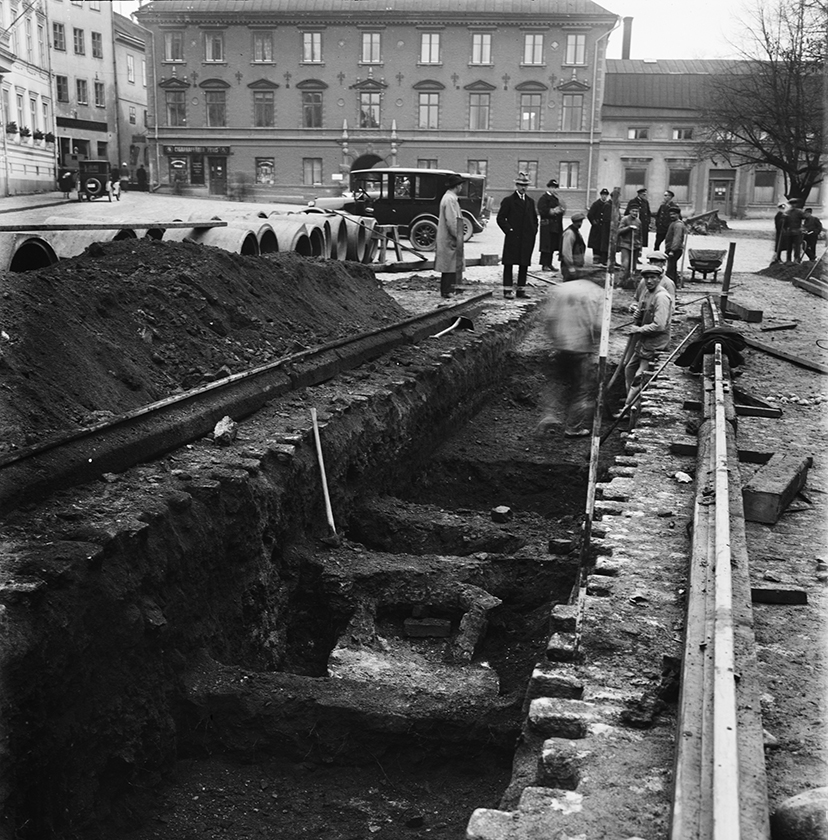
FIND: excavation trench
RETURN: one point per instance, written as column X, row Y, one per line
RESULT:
column 265, row 681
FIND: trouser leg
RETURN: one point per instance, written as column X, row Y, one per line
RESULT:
column 447, row 283
column 507, row 280
column 523, row 271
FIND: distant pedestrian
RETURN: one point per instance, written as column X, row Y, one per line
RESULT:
column 600, row 220
column 781, row 235
column 572, row 320
column 446, row 243
column 811, row 227
column 629, row 244
column 674, row 244
column 518, row 220
column 793, row 229
column 115, row 183
column 66, row 182
column 141, row 178
column 550, row 212
column 662, row 217
column 573, row 249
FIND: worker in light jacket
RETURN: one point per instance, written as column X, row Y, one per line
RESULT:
column 518, row 220
column 446, row 243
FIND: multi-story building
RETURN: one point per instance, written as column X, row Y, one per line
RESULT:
column 290, row 95
column 130, row 95
column 26, row 100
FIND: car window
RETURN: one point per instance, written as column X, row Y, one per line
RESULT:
column 371, row 184
column 429, row 186
column 402, row 186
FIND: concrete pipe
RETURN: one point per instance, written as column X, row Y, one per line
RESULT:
column 265, row 235
column 236, row 240
column 321, row 223
column 25, row 252
column 371, row 241
column 70, row 243
column 339, row 238
column 289, row 231
column 356, row 237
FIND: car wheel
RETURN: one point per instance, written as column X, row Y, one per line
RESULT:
column 468, row 229
column 423, row 234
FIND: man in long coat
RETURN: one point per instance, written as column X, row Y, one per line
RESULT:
column 446, row 242
column 518, row 220
column 662, row 217
column 600, row 220
column 644, row 215
column 550, row 211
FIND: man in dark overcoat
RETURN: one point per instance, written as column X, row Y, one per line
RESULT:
column 662, row 217
column 600, row 220
column 550, row 212
column 644, row 214
column 518, row 220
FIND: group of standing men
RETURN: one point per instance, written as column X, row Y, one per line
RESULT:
column 797, row 232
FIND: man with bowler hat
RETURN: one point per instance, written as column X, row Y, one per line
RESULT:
column 446, row 242
column 600, row 220
column 550, row 212
column 519, row 222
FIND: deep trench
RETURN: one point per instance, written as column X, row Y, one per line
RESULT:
column 407, row 648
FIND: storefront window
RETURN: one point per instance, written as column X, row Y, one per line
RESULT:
column 265, row 171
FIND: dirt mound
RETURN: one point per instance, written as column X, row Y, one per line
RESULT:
column 131, row 322
column 789, row 271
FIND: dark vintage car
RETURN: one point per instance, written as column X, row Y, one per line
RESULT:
column 410, row 199
column 93, row 179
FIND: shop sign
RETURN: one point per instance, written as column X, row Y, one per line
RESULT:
column 196, row 150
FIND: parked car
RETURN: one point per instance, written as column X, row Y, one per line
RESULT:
column 410, row 199
column 93, row 180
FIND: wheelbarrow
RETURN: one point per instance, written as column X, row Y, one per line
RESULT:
column 705, row 262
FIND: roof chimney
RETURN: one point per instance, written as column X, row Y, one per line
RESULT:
column 625, row 46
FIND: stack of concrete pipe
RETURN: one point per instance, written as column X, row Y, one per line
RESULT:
column 71, row 243
column 25, row 252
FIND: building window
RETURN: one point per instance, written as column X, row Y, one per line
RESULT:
column 312, row 108
column 100, row 95
column 575, row 49
column 46, row 120
column 95, row 5
column 41, row 50
column 103, row 149
column 97, row 45
column 479, row 104
column 146, row 118
column 266, row 171
column 80, row 43
column 29, row 41
column 638, row 133
column 530, row 167
column 33, row 112
column 429, row 48
column 572, row 112
column 21, row 114
column 82, row 91
column 311, row 171
column 263, row 46
column 764, row 186
column 173, row 46
column 429, row 110
column 679, row 183
column 532, row 49
column 477, row 167
column 312, row 47
column 59, row 36
column 481, row 48
column 530, row 109
column 371, row 48
column 214, row 46
column 216, row 108
column 264, row 108
column 682, row 134
column 133, row 115
column 369, row 110
column 62, row 86
column 569, row 174
column 131, row 69
column 176, row 107
column 634, row 180
column 427, row 163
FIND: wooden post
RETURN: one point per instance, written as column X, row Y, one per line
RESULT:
column 731, row 250
column 460, row 252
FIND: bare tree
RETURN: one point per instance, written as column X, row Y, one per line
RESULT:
column 769, row 107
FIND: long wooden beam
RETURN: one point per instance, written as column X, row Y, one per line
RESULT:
column 110, row 226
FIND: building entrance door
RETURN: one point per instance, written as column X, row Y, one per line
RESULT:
column 720, row 196
column 217, row 167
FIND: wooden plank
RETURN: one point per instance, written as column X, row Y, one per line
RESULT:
column 788, row 357
column 743, row 410
column 774, row 486
column 819, row 289
column 743, row 311
column 778, row 595
column 113, row 225
column 779, row 327
column 746, row 456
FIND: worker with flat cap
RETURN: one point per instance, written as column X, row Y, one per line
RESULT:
column 573, row 249
column 518, row 220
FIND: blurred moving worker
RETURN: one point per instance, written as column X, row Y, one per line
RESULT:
column 674, row 245
column 811, row 227
column 652, row 328
column 518, row 220
column 600, row 220
column 662, row 217
column 572, row 321
column 793, row 228
column 550, row 211
column 445, row 260
column 573, row 249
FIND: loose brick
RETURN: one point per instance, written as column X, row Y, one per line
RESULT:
column 564, row 618
column 560, row 763
column 552, row 683
column 561, row 718
column 600, row 586
column 489, row 824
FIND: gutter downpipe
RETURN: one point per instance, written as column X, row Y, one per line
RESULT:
column 592, row 115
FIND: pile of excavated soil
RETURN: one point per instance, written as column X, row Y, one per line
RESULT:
column 790, row 271
column 128, row 323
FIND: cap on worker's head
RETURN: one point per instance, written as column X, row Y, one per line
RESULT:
column 650, row 269
column 604, row 191
column 641, row 190
column 794, row 202
column 522, row 179
column 782, row 205
column 578, row 217
column 551, row 183
column 453, row 181
column 669, row 194
column 675, row 211
column 657, row 256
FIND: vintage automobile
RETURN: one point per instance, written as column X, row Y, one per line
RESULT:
column 410, row 199
column 93, row 180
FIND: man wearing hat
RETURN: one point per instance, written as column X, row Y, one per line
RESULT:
column 600, row 220
column 662, row 217
column 655, row 260
column 572, row 249
column 550, row 211
column 674, row 244
column 519, row 222
column 445, row 260
column 644, row 215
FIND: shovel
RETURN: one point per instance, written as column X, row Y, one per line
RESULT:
column 462, row 323
column 332, row 537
